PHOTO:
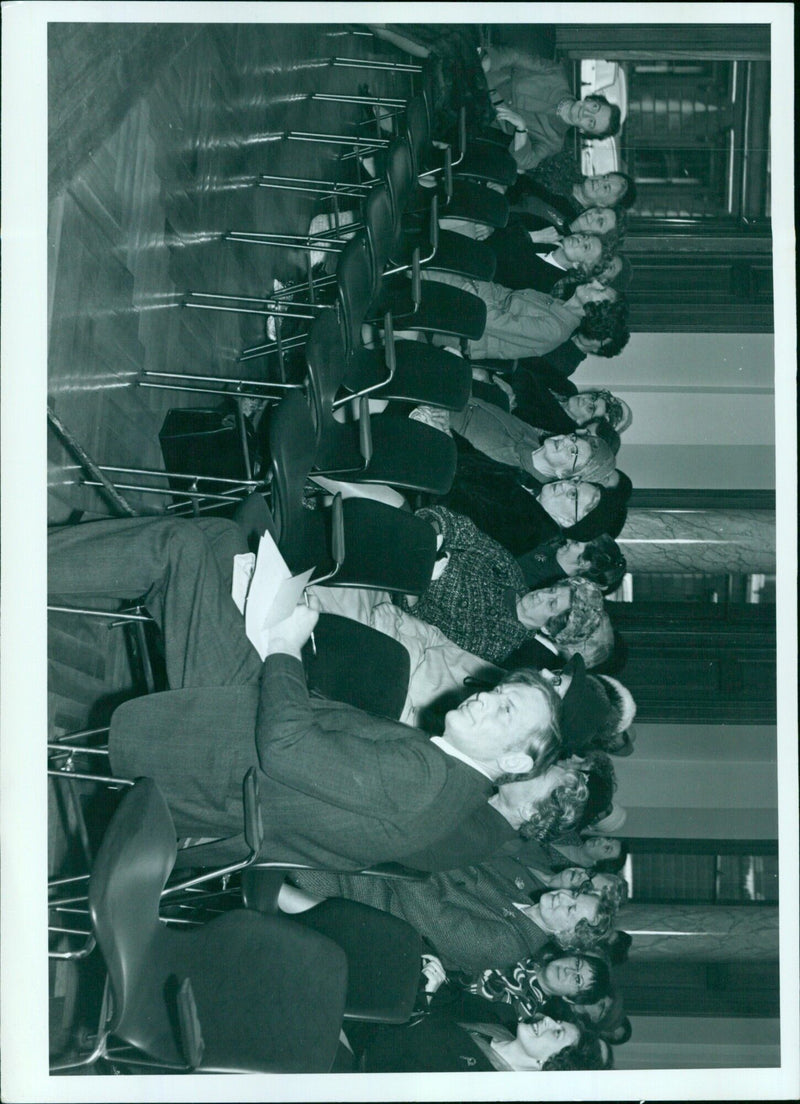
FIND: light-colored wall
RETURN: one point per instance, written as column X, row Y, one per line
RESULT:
column 701, row 782
column 698, row 1042
column 703, row 408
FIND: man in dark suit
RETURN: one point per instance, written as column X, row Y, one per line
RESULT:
column 339, row 787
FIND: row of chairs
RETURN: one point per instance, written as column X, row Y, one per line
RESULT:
column 249, row 990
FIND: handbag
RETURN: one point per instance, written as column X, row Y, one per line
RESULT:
column 207, row 441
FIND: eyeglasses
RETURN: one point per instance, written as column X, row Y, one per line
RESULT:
column 573, row 451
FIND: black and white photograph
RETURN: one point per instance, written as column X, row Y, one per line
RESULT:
column 399, row 552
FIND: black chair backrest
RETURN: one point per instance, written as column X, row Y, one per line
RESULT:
column 356, row 288
column 400, row 176
column 327, row 365
column 381, row 231
column 131, row 869
column 418, row 132
column 292, row 445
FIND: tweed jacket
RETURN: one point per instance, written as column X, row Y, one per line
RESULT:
column 468, row 916
column 338, row 787
column 534, row 88
column 473, row 600
column 482, row 836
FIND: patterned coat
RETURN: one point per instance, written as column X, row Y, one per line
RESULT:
column 473, row 600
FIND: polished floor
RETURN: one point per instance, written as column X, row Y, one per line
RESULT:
column 157, row 137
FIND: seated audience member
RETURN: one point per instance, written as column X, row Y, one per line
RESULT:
column 550, row 403
column 474, row 1035
column 605, row 1016
column 529, row 984
column 618, row 273
column 531, row 323
column 534, row 101
column 505, row 505
column 474, row 918
column 559, row 183
column 546, row 458
column 602, row 853
column 543, row 266
column 587, row 631
column 596, row 710
column 338, row 786
column 599, row 560
column 523, row 817
column 479, row 601
column 577, row 878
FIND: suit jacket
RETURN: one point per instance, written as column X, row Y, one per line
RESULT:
column 338, row 787
column 534, row 88
column 441, row 1042
column 475, row 840
column 468, row 916
column 519, row 260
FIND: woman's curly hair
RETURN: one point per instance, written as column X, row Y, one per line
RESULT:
column 586, row 1054
column 561, row 808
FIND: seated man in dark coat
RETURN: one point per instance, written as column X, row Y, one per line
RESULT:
column 339, row 787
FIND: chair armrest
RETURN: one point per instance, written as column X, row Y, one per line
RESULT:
column 394, row 870
column 416, row 279
column 433, row 230
column 364, row 430
column 253, row 821
column 191, row 1033
column 337, row 531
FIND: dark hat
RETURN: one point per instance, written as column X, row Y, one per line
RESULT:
column 585, row 709
column 608, row 516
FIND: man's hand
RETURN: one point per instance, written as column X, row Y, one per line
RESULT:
column 289, row 635
column 507, row 115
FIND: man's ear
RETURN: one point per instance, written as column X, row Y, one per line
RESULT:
column 515, row 762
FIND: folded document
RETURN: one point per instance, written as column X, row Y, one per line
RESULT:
column 265, row 591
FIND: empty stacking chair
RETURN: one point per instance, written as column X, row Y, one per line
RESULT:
column 386, row 449
column 383, row 547
column 243, row 993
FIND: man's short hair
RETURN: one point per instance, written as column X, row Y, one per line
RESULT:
column 628, row 197
column 545, row 744
column 615, row 116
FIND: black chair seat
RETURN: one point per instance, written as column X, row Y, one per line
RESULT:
column 358, row 665
column 269, row 995
column 384, row 958
column 475, row 202
column 406, row 454
column 460, row 254
column 444, row 309
column 424, row 374
column 455, row 252
column 487, row 161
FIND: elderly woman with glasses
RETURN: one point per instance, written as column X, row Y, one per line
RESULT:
column 479, row 599
column 545, row 457
column 520, row 513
